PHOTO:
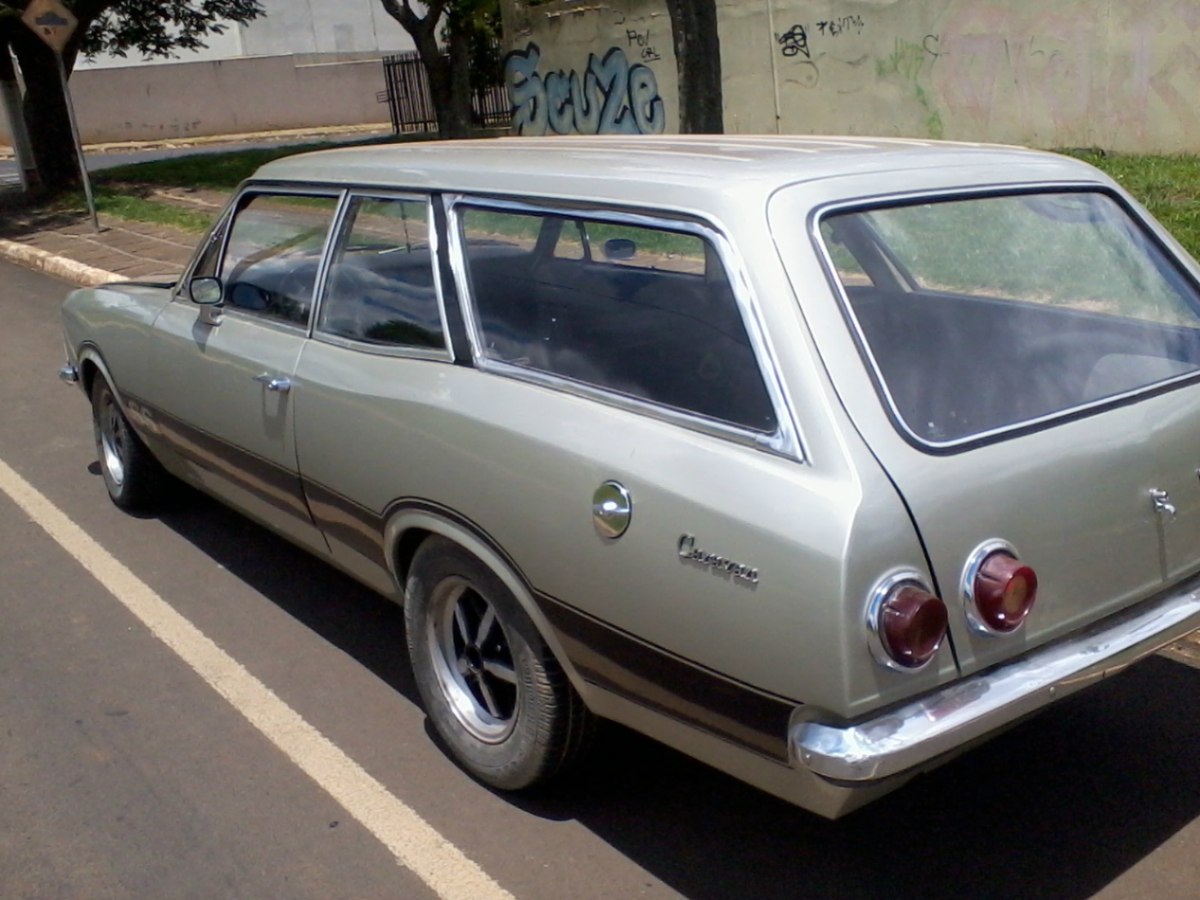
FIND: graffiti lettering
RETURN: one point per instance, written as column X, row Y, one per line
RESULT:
column 641, row 41
column 611, row 97
column 834, row 27
column 794, row 42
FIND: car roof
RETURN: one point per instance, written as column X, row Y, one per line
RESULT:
column 674, row 169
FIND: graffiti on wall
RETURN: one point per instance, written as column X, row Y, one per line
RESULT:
column 609, row 97
column 794, row 42
column 842, row 25
column 1121, row 74
column 643, row 44
column 794, row 45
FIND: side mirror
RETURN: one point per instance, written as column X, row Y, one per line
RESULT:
column 619, row 248
column 205, row 291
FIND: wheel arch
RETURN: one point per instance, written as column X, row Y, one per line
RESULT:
column 91, row 364
column 411, row 524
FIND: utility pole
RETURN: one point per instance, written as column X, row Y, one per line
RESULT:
column 54, row 24
column 10, row 99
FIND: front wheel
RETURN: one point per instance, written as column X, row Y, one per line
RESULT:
column 493, row 691
column 133, row 477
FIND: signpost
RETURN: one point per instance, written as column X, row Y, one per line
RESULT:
column 54, row 24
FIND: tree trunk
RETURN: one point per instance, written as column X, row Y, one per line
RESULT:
column 45, row 110
column 452, row 121
column 449, row 81
column 458, row 119
column 698, row 59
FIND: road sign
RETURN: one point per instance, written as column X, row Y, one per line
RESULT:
column 51, row 21
column 54, row 24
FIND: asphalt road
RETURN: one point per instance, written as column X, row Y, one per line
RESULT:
column 125, row 773
column 10, row 174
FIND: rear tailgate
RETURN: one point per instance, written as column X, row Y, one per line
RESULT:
column 1024, row 364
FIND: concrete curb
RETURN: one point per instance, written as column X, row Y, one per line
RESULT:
column 59, row 266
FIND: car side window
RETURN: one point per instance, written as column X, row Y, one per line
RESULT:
column 646, row 312
column 206, row 265
column 273, row 254
column 381, row 287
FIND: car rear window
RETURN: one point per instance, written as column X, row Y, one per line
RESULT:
column 982, row 313
column 636, row 310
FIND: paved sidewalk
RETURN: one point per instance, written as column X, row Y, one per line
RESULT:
column 65, row 246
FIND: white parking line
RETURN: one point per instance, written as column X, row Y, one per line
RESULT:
column 415, row 844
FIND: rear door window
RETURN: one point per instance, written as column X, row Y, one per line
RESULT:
column 382, row 285
column 642, row 311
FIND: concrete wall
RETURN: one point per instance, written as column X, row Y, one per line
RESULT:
column 591, row 67
column 289, row 27
column 222, row 97
column 324, row 26
column 1120, row 74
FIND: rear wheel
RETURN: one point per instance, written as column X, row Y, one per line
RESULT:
column 133, row 477
column 493, row 691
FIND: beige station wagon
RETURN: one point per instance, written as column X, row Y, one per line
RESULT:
column 817, row 459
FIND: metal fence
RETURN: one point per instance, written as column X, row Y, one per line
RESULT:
column 411, row 105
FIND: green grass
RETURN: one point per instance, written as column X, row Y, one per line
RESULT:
column 1169, row 186
column 110, row 202
column 221, row 171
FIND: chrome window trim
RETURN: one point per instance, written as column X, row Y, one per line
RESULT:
column 220, row 225
column 225, row 220
column 391, row 350
column 970, row 442
column 784, row 441
column 445, row 354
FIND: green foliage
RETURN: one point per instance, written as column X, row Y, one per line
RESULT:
column 1169, row 186
column 160, row 27
column 478, row 22
column 150, row 27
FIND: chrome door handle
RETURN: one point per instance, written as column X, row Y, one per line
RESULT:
column 1162, row 503
column 274, row 382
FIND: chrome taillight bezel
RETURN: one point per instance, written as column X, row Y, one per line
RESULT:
column 883, row 590
column 970, row 575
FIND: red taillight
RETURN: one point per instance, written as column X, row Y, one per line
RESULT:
column 909, row 623
column 1002, row 592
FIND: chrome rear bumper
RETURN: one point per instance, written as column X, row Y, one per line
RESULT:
column 941, row 721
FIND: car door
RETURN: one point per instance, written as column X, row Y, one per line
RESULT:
column 222, row 390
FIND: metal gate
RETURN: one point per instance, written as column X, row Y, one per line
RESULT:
column 411, row 105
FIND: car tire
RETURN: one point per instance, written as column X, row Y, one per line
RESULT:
column 133, row 477
column 492, row 689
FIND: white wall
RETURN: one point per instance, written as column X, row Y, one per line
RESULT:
column 290, row 27
column 232, row 96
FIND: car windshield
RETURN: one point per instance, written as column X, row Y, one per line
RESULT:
column 984, row 313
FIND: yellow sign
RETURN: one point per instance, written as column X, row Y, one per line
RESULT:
column 51, row 21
